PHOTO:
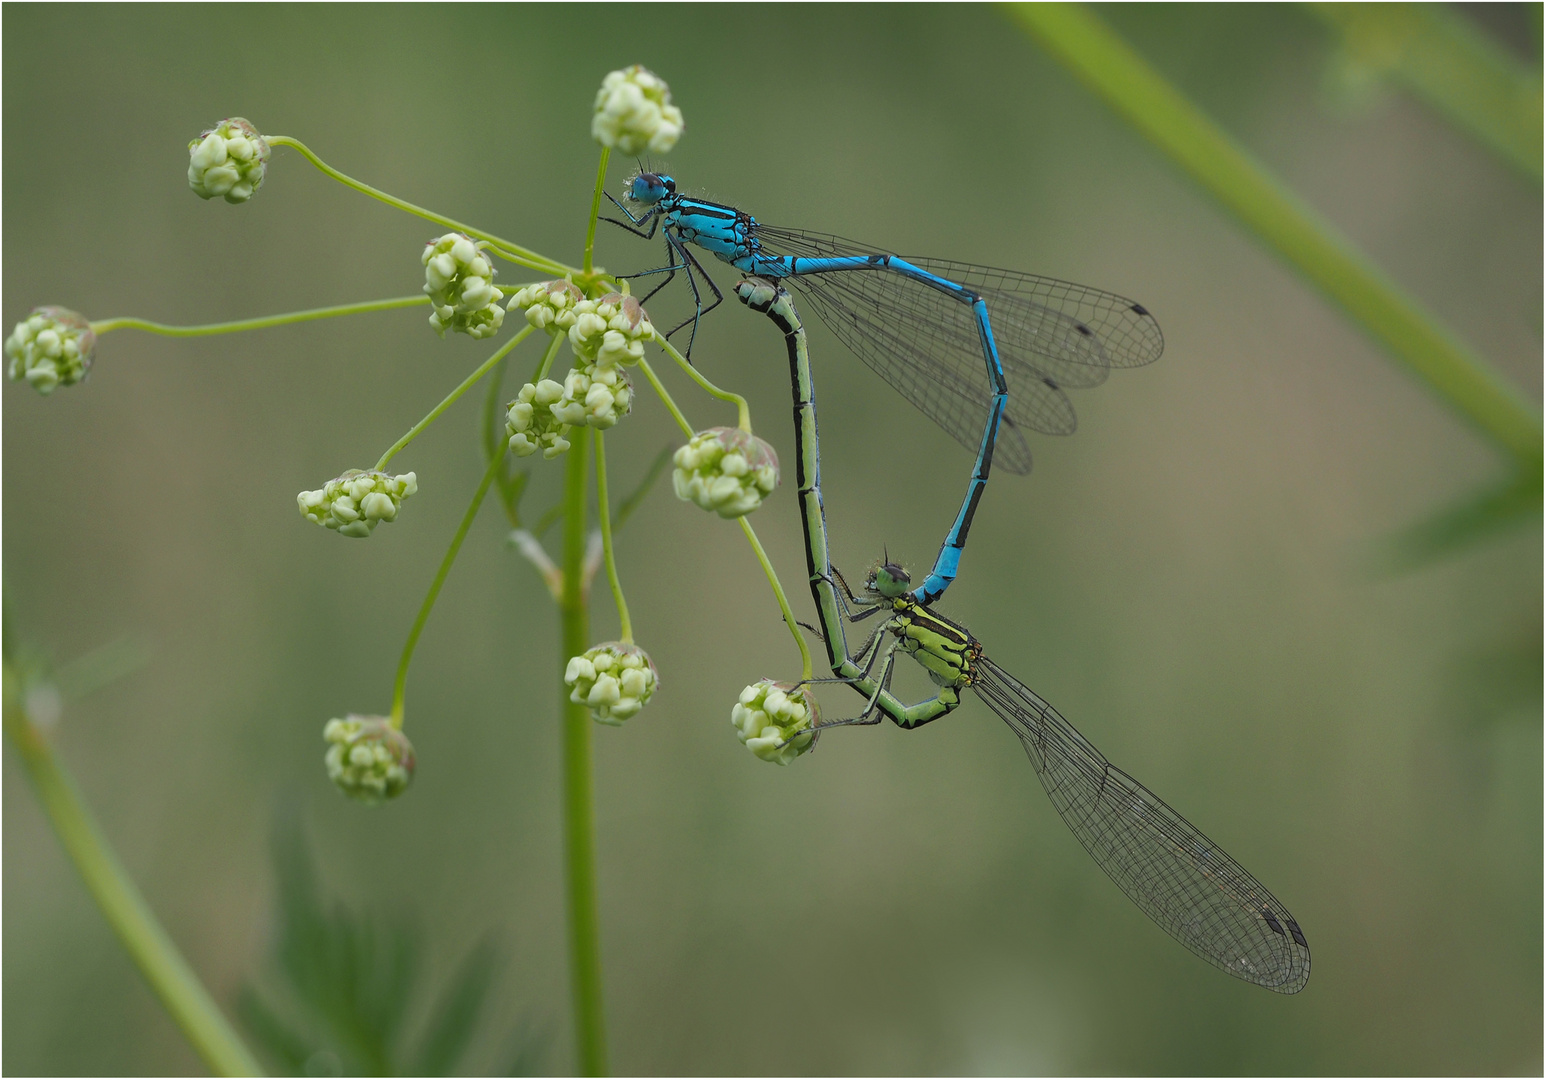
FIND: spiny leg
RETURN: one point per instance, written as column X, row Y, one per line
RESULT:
column 652, row 216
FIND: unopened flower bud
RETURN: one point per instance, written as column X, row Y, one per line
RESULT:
column 228, row 160
column 368, row 758
column 775, row 720
column 356, row 502
column 634, row 113
column 725, row 470
column 614, row 679
column 459, row 280
column 530, row 423
column 50, row 348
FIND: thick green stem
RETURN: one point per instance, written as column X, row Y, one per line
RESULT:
column 579, row 827
column 102, row 326
column 604, row 512
column 514, row 252
column 1107, row 65
column 120, row 902
column 745, row 418
column 401, row 683
column 466, row 385
column 595, row 206
column 783, row 601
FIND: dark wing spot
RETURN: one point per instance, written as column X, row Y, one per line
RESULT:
column 1293, row 928
column 1139, row 309
column 1085, row 330
column 1049, row 382
column 1277, row 927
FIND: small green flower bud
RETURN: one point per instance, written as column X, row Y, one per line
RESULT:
column 725, row 470
column 356, row 502
column 614, row 679
column 530, row 423
column 634, row 113
column 228, row 160
column 549, row 305
column 775, row 720
column 50, row 348
column 368, row 758
column 595, row 397
column 459, row 280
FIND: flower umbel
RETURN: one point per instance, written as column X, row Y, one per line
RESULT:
column 356, row 502
column 775, row 720
column 726, row 470
column 549, row 305
column 368, row 758
column 530, row 423
column 50, row 348
column 634, row 113
column 228, row 161
column 615, row 679
column 459, row 280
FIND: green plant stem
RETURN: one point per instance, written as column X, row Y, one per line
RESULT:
column 120, row 902
column 604, row 513
column 579, row 826
column 401, row 683
column 751, row 535
column 547, row 357
column 514, row 252
column 1452, row 65
column 660, row 391
column 1107, row 65
column 745, row 418
column 783, row 601
column 102, row 326
column 595, row 206
column 466, row 384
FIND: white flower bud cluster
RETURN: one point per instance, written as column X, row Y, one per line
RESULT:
column 368, row 758
column 549, row 305
column 771, row 717
column 634, row 113
column 725, row 470
column 356, row 502
column 50, row 348
column 228, row 161
column 615, row 680
column 459, row 280
column 530, row 423
column 610, row 331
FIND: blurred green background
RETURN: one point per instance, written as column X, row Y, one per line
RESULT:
column 1187, row 579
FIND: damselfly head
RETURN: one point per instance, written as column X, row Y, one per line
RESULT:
column 650, row 187
column 888, row 579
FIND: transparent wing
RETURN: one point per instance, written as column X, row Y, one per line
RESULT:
column 1051, row 335
column 1180, row 878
